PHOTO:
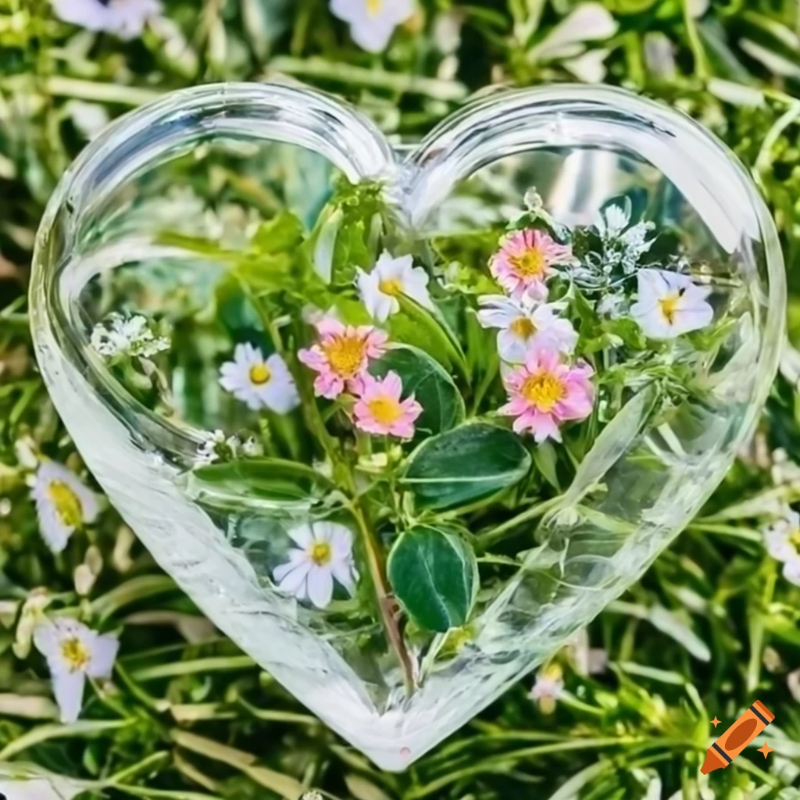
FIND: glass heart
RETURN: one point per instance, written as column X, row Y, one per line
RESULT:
column 398, row 567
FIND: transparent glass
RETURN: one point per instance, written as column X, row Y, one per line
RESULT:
column 213, row 163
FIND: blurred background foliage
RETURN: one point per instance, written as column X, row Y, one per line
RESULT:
column 713, row 625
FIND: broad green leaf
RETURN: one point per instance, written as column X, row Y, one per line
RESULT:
column 465, row 464
column 258, row 483
column 427, row 330
column 434, row 576
column 281, row 234
column 443, row 406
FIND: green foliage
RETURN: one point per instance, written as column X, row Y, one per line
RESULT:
column 434, row 576
column 466, row 464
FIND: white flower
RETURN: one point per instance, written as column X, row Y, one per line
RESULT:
column 125, row 18
column 63, row 504
column 782, row 540
column 525, row 323
column 132, row 336
column 325, row 552
column 216, row 446
column 548, row 688
column 260, row 382
column 622, row 245
column 252, row 448
column 74, row 652
column 372, row 22
column 391, row 278
column 670, row 304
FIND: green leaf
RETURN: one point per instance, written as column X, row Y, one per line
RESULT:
column 283, row 233
column 443, row 406
column 428, row 331
column 434, row 576
column 240, row 317
column 465, row 464
column 256, row 483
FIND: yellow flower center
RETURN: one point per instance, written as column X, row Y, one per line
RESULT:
column 543, row 390
column 530, row 264
column 794, row 537
column 260, row 374
column 75, row 653
column 67, row 504
column 391, row 286
column 385, row 410
column 374, row 7
column 669, row 306
column 345, row 355
column 522, row 327
column 321, row 554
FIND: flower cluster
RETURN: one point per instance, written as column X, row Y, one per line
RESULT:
column 782, row 540
column 118, row 336
column 545, row 388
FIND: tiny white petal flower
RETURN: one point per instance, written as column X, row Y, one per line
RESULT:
column 613, row 220
column 132, row 336
column 525, row 323
column 261, row 383
column 124, row 18
column 63, row 504
column 74, row 652
column 372, row 22
column 324, row 552
column 670, row 304
column 548, row 688
column 782, row 541
column 391, row 278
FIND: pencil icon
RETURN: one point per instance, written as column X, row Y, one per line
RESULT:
column 737, row 737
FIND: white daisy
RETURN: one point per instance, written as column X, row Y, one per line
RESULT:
column 372, row 22
column 127, row 336
column 782, row 540
column 391, row 278
column 548, row 688
column 125, row 18
column 74, row 652
column 670, row 304
column 259, row 382
column 325, row 552
column 63, row 504
column 524, row 323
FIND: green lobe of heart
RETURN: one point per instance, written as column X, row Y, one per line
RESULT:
column 434, row 576
column 465, row 464
column 442, row 404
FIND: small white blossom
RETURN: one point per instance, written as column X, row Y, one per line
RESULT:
column 216, row 446
column 586, row 659
column 793, row 682
column 124, row 18
column 525, row 323
column 132, row 336
column 372, row 22
column 548, row 688
column 670, row 304
column 74, row 652
column 63, row 504
column 784, row 470
column 782, row 540
column 391, row 278
column 324, row 552
column 312, row 795
column 259, row 382
column 622, row 245
column 32, row 615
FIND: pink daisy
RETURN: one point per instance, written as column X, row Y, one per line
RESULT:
column 342, row 355
column 544, row 392
column 380, row 410
column 525, row 261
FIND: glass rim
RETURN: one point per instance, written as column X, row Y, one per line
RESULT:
column 504, row 123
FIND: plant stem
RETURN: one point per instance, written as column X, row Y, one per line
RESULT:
column 486, row 540
column 387, row 605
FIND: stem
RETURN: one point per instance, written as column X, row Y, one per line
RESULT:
column 387, row 605
column 491, row 537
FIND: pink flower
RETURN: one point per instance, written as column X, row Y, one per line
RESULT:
column 525, row 261
column 342, row 355
column 380, row 410
column 544, row 392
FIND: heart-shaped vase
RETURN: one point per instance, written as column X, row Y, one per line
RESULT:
column 400, row 425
